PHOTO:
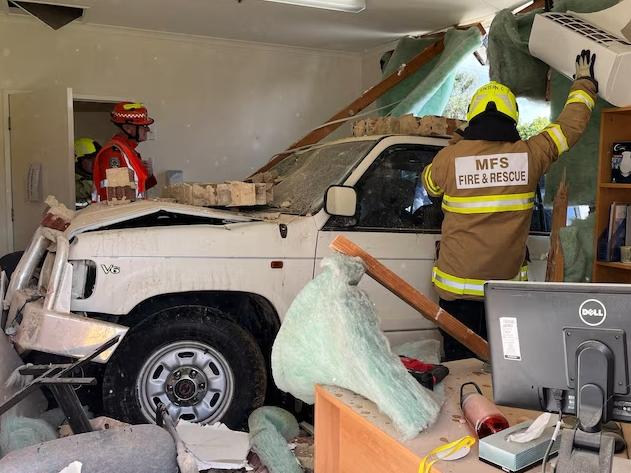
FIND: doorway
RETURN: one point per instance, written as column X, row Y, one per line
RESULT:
column 43, row 126
column 92, row 120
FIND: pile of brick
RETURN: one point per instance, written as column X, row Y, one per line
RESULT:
column 407, row 125
column 121, row 187
column 228, row 194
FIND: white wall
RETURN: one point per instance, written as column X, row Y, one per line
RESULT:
column 222, row 108
column 371, row 69
column 95, row 125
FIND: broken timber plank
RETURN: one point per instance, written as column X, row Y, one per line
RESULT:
column 556, row 260
column 362, row 102
column 531, row 7
column 428, row 308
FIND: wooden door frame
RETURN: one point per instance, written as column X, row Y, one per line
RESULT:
column 6, row 93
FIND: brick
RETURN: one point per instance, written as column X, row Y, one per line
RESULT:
column 359, row 128
column 242, row 193
column 119, row 177
column 261, row 193
column 408, row 124
column 224, row 196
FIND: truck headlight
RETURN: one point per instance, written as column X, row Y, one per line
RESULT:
column 83, row 278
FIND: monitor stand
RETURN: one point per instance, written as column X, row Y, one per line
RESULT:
column 586, row 449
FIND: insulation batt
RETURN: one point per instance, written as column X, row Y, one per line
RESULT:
column 270, row 429
column 331, row 336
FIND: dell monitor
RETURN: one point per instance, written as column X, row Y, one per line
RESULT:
column 562, row 347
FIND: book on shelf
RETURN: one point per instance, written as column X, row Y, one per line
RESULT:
column 616, row 234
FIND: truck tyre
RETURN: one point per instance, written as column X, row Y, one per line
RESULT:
column 201, row 365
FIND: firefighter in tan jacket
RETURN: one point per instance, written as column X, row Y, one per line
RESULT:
column 487, row 182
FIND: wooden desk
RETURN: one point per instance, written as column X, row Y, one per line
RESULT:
column 351, row 435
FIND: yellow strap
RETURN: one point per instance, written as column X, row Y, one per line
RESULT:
column 427, row 462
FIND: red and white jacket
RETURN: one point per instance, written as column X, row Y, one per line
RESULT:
column 120, row 152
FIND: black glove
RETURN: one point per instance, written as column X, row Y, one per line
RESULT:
column 585, row 66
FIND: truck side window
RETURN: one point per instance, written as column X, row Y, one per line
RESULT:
column 391, row 195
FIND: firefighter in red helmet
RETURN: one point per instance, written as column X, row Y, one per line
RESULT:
column 120, row 151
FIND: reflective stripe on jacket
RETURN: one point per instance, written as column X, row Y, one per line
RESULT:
column 488, row 190
column 467, row 287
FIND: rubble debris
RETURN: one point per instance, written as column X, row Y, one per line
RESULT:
column 139, row 448
column 19, row 427
column 10, row 383
column 17, row 432
column 407, row 125
column 227, row 194
column 215, row 446
column 270, row 429
column 28, row 432
column 304, row 453
column 98, row 423
column 56, row 216
column 121, row 187
column 186, row 462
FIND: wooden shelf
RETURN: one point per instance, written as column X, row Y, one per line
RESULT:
column 615, row 126
column 614, row 264
column 613, row 185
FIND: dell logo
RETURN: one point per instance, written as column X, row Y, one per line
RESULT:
column 592, row 312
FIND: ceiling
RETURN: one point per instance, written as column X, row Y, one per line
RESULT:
column 258, row 20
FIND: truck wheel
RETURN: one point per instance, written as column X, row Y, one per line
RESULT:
column 202, row 366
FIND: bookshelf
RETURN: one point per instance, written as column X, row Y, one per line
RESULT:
column 615, row 126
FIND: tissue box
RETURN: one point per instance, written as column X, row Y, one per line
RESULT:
column 516, row 457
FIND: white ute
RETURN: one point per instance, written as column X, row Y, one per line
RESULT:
column 199, row 293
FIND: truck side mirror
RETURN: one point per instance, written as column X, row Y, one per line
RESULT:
column 340, row 201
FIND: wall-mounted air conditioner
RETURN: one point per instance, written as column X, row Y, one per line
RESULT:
column 556, row 39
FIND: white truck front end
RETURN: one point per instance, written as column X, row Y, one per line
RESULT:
column 36, row 307
column 44, row 304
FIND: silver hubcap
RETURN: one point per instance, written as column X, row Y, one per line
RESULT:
column 191, row 378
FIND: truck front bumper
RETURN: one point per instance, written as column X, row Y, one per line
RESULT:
column 39, row 318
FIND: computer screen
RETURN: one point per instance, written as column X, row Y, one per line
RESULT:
column 537, row 332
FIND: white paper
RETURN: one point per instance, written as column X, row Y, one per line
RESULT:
column 510, row 338
column 74, row 467
column 534, row 431
column 215, row 446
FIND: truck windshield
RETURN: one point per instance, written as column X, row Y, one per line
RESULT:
column 304, row 176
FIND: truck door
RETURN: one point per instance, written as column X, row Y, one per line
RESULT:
column 399, row 224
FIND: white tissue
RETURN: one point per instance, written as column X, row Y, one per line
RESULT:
column 534, row 431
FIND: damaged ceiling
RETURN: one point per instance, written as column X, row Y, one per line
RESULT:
column 269, row 22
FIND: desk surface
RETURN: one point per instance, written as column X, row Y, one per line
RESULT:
column 353, row 435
